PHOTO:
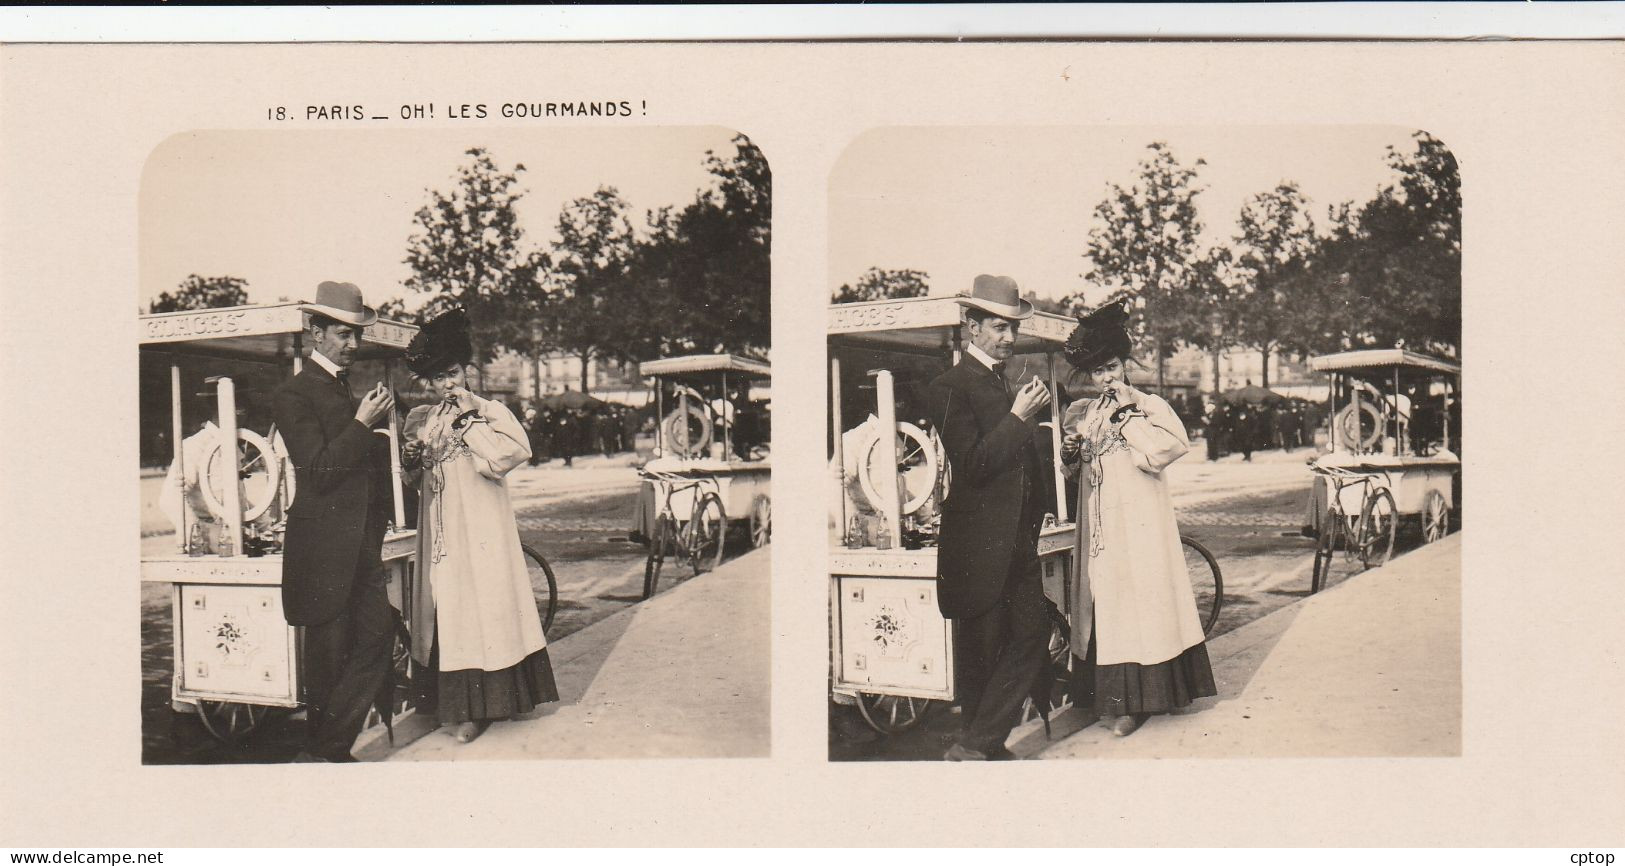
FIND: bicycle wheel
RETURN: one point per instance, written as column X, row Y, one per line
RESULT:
column 1378, row 526
column 228, row 721
column 541, row 577
column 664, row 534
column 1330, row 530
column 891, row 714
column 1207, row 583
column 706, row 529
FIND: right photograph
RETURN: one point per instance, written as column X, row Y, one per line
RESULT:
column 1144, row 442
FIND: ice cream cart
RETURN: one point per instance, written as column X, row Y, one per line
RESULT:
column 1390, row 457
column 711, row 465
column 891, row 650
column 235, row 655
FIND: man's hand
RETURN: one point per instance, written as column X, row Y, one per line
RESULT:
column 1030, row 400
column 375, row 406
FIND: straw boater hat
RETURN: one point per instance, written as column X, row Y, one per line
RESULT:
column 341, row 302
column 997, row 295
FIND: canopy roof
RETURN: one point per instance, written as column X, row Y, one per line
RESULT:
column 926, row 326
column 1367, row 360
column 262, row 332
column 693, row 365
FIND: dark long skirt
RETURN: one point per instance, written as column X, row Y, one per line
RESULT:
column 1130, row 688
column 475, row 695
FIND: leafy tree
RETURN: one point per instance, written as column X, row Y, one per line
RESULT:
column 588, row 293
column 879, row 284
column 703, row 275
column 1405, row 270
column 395, row 309
column 202, row 293
column 1144, row 241
column 1215, row 289
column 470, row 252
column 1274, row 246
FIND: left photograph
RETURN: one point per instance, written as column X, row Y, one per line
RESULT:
column 455, row 445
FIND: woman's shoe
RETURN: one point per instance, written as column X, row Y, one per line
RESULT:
column 467, row 732
column 1126, row 725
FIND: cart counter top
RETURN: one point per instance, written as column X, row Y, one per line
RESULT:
column 705, row 466
column 243, row 569
column 257, row 332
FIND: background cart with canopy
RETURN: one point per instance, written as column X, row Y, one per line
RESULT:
column 1395, row 439
column 234, row 653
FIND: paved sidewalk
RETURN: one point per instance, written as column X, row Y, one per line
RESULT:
column 683, row 675
column 1368, row 668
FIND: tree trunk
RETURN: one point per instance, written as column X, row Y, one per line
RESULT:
column 536, row 382
column 1218, row 385
column 1162, row 385
column 1264, row 371
column 586, row 358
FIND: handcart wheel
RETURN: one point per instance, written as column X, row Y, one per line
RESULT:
column 1378, row 526
column 541, row 575
column 1207, row 583
column 228, row 721
column 918, row 464
column 257, row 465
column 1435, row 517
column 1352, row 424
column 707, row 528
column 891, row 714
column 761, row 520
column 663, row 534
column 1331, row 529
column 699, row 431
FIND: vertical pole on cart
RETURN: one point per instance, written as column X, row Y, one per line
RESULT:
column 727, row 432
column 1331, row 418
column 298, row 353
column 682, row 416
column 177, row 430
column 835, row 429
column 233, row 482
column 1446, row 409
column 886, row 451
column 1399, row 436
column 1055, row 442
column 395, row 459
column 660, row 420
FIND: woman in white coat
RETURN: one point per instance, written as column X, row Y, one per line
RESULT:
column 1134, row 621
column 477, row 637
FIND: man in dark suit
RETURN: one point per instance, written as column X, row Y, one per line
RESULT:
column 333, row 581
column 987, row 555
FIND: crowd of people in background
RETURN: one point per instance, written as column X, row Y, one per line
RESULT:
column 566, row 433
column 1239, row 426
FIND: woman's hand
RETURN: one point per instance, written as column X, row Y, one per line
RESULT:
column 1122, row 392
column 463, row 399
column 1070, row 445
column 412, row 454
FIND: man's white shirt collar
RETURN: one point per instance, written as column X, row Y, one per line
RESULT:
column 329, row 366
column 976, row 352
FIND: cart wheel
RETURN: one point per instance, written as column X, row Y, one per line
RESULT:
column 541, row 574
column 891, row 714
column 1206, row 581
column 663, row 535
column 706, row 529
column 258, row 466
column 918, row 466
column 1435, row 517
column 1378, row 526
column 228, row 721
column 698, row 429
column 1331, row 530
column 761, row 520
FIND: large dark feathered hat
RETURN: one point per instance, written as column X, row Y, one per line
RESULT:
column 440, row 343
column 1099, row 337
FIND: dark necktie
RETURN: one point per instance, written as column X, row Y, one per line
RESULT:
column 344, row 382
column 998, row 370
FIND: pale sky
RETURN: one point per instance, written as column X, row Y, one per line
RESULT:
column 960, row 201
column 287, row 210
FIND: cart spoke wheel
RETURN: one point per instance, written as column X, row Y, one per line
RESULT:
column 1378, row 526
column 891, row 714
column 228, row 721
column 257, row 471
column 1207, row 584
column 1435, row 517
column 663, row 535
column 706, row 530
column 543, row 585
column 761, row 520
column 918, row 466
